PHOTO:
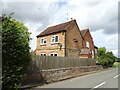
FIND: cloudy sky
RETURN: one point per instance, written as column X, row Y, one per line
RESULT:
column 100, row 16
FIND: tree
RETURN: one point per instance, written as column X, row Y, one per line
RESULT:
column 101, row 51
column 111, row 58
column 105, row 58
column 15, row 51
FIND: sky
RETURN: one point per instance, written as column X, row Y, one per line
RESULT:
column 100, row 16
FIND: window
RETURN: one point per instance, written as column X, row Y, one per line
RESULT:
column 53, row 54
column 54, row 39
column 43, row 41
column 92, row 54
column 43, row 54
column 87, row 44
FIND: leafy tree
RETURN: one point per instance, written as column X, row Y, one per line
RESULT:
column 105, row 58
column 101, row 51
column 15, row 52
column 111, row 58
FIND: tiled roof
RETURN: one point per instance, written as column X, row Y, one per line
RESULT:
column 85, row 51
column 56, row 28
column 83, row 32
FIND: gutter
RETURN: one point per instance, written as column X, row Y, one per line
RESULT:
column 50, row 33
column 65, row 45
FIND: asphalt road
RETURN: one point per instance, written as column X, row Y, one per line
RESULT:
column 103, row 79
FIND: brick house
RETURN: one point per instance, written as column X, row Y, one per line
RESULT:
column 88, row 50
column 64, row 40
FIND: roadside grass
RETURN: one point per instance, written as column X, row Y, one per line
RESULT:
column 116, row 65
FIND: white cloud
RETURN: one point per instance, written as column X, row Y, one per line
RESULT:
column 33, row 35
column 96, row 15
column 110, row 42
column 112, row 39
column 115, row 52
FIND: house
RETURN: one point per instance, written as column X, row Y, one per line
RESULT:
column 64, row 40
column 88, row 50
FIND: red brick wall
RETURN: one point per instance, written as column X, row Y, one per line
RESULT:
column 73, row 48
column 89, row 39
column 49, row 47
column 86, row 56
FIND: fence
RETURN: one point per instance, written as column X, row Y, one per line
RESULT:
column 48, row 62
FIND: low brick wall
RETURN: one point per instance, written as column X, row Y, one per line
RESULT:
column 52, row 75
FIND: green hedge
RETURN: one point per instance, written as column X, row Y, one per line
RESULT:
column 15, row 52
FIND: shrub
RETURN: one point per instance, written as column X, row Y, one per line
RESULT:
column 105, row 58
column 15, row 51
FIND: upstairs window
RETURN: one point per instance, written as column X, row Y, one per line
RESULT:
column 54, row 39
column 43, row 54
column 53, row 54
column 87, row 44
column 43, row 41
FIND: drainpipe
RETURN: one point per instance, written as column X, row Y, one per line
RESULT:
column 65, row 44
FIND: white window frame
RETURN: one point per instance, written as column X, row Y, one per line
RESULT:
column 44, row 39
column 43, row 54
column 53, row 54
column 53, row 39
column 87, row 44
column 92, row 53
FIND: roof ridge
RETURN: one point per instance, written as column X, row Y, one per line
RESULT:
column 60, row 24
column 69, row 24
column 85, row 29
column 56, row 28
column 83, row 32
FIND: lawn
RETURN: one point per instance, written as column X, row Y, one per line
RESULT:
column 116, row 64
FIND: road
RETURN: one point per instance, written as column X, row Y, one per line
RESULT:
column 103, row 79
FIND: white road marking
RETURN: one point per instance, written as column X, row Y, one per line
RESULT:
column 98, row 85
column 116, row 76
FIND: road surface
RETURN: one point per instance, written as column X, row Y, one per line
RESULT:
column 103, row 79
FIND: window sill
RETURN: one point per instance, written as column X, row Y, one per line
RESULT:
column 42, row 44
column 54, row 43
